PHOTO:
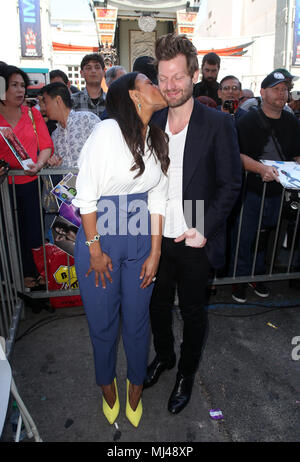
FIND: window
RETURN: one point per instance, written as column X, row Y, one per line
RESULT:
column 75, row 77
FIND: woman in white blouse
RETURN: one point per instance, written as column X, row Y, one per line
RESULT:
column 121, row 192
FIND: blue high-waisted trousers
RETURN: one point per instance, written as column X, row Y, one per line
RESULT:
column 123, row 298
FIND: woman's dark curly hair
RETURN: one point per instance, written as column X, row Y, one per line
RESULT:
column 120, row 107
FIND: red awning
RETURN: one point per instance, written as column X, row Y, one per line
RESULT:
column 231, row 51
column 68, row 47
column 237, row 50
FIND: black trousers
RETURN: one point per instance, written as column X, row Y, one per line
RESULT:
column 187, row 268
column 29, row 221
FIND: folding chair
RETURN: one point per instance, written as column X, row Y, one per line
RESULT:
column 7, row 386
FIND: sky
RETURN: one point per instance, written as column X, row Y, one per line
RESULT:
column 73, row 9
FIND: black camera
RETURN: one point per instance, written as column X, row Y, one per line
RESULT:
column 231, row 105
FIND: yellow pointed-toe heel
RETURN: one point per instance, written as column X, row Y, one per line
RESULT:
column 134, row 417
column 112, row 413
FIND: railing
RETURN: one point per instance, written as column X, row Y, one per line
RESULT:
column 273, row 273
column 11, row 274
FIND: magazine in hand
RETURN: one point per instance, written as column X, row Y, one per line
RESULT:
column 289, row 172
column 16, row 147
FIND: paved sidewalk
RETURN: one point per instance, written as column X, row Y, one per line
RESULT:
column 247, row 370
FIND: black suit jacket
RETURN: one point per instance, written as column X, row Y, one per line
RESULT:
column 212, row 172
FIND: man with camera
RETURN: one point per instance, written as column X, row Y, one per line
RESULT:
column 265, row 133
column 230, row 92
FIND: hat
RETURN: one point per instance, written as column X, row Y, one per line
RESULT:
column 145, row 65
column 287, row 74
column 273, row 79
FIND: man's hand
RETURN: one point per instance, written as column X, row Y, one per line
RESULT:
column 269, row 173
column 192, row 238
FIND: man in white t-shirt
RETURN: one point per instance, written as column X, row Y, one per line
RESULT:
column 204, row 183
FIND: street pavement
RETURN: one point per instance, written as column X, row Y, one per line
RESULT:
column 250, row 371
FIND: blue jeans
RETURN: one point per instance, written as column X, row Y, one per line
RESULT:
column 251, row 211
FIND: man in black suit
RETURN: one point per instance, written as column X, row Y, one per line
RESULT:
column 205, row 178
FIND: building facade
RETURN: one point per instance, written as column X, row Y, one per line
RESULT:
column 123, row 24
column 268, row 27
column 25, row 34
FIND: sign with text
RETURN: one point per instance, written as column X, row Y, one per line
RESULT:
column 106, row 19
column 30, row 28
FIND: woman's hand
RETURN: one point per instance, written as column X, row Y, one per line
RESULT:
column 100, row 263
column 34, row 168
column 149, row 269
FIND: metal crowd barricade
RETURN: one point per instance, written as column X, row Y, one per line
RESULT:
column 11, row 274
column 273, row 273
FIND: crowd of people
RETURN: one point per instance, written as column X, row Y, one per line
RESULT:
column 160, row 137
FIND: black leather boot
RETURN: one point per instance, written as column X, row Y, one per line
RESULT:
column 181, row 393
column 155, row 369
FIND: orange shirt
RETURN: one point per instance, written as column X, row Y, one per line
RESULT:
column 25, row 133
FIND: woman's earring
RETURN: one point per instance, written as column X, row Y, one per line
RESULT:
column 139, row 107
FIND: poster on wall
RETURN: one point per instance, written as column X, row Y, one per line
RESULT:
column 296, row 53
column 30, row 28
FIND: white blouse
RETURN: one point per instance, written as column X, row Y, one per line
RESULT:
column 104, row 170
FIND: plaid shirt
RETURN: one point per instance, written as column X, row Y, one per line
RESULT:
column 83, row 102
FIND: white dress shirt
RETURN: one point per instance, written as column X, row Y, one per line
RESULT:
column 104, row 170
column 175, row 224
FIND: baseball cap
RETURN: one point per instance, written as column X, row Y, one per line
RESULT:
column 273, row 79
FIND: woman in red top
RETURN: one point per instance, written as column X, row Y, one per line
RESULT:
column 38, row 145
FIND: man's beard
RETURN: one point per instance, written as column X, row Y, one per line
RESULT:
column 210, row 81
column 187, row 94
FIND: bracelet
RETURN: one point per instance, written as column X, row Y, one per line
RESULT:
column 95, row 239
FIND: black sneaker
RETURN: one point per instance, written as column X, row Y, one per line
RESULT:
column 239, row 293
column 259, row 289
